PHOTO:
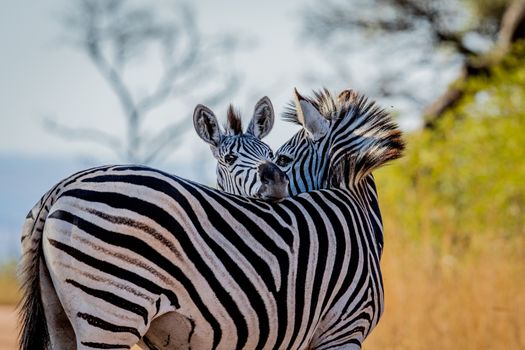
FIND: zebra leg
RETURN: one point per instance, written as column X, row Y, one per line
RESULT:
column 61, row 334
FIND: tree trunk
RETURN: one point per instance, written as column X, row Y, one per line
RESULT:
column 511, row 30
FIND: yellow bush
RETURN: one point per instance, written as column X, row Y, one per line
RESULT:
column 454, row 217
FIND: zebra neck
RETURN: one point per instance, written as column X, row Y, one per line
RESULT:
column 365, row 194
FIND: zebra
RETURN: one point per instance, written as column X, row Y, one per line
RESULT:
column 310, row 159
column 237, row 153
column 341, row 141
column 237, row 273
column 243, row 168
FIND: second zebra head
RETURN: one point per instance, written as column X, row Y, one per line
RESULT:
column 244, row 162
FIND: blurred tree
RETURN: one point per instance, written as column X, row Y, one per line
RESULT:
column 464, row 178
column 119, row 37
column 410, row 33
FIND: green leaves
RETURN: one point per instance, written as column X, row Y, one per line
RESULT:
column 467, row 176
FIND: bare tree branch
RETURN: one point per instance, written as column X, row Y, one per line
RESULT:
column 512, row 29
column 115, row 34
column 84, row 134
column 512, row 25
column 165, row 140
column 332, row 21
column 166, row 84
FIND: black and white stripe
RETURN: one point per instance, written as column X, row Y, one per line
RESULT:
column 250, row 173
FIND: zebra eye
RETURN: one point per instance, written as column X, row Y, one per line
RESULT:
column 270, row 155
column 230, row 158
column 283, row 160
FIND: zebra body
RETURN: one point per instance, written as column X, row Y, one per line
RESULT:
column 126, row 246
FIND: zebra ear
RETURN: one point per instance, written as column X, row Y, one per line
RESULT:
column 310, row 118
column 206, row 125
column 263, row 118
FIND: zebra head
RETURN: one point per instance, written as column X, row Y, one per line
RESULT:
column 244, row 162
column 341, row 141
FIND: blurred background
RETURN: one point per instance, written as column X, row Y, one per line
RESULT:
column 90, row 82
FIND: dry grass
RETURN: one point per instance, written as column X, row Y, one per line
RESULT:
column 437, row 301
column 10, row 292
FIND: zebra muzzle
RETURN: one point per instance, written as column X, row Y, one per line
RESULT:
column 274, row 183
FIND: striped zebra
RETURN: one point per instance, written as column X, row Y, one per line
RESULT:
column 243, row 167
column 230, row 272
column 237, row 153
column 341, row 141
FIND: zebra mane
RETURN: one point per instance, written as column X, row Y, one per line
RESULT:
column 379, row 138
column 337, row 108
column 234, row 124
